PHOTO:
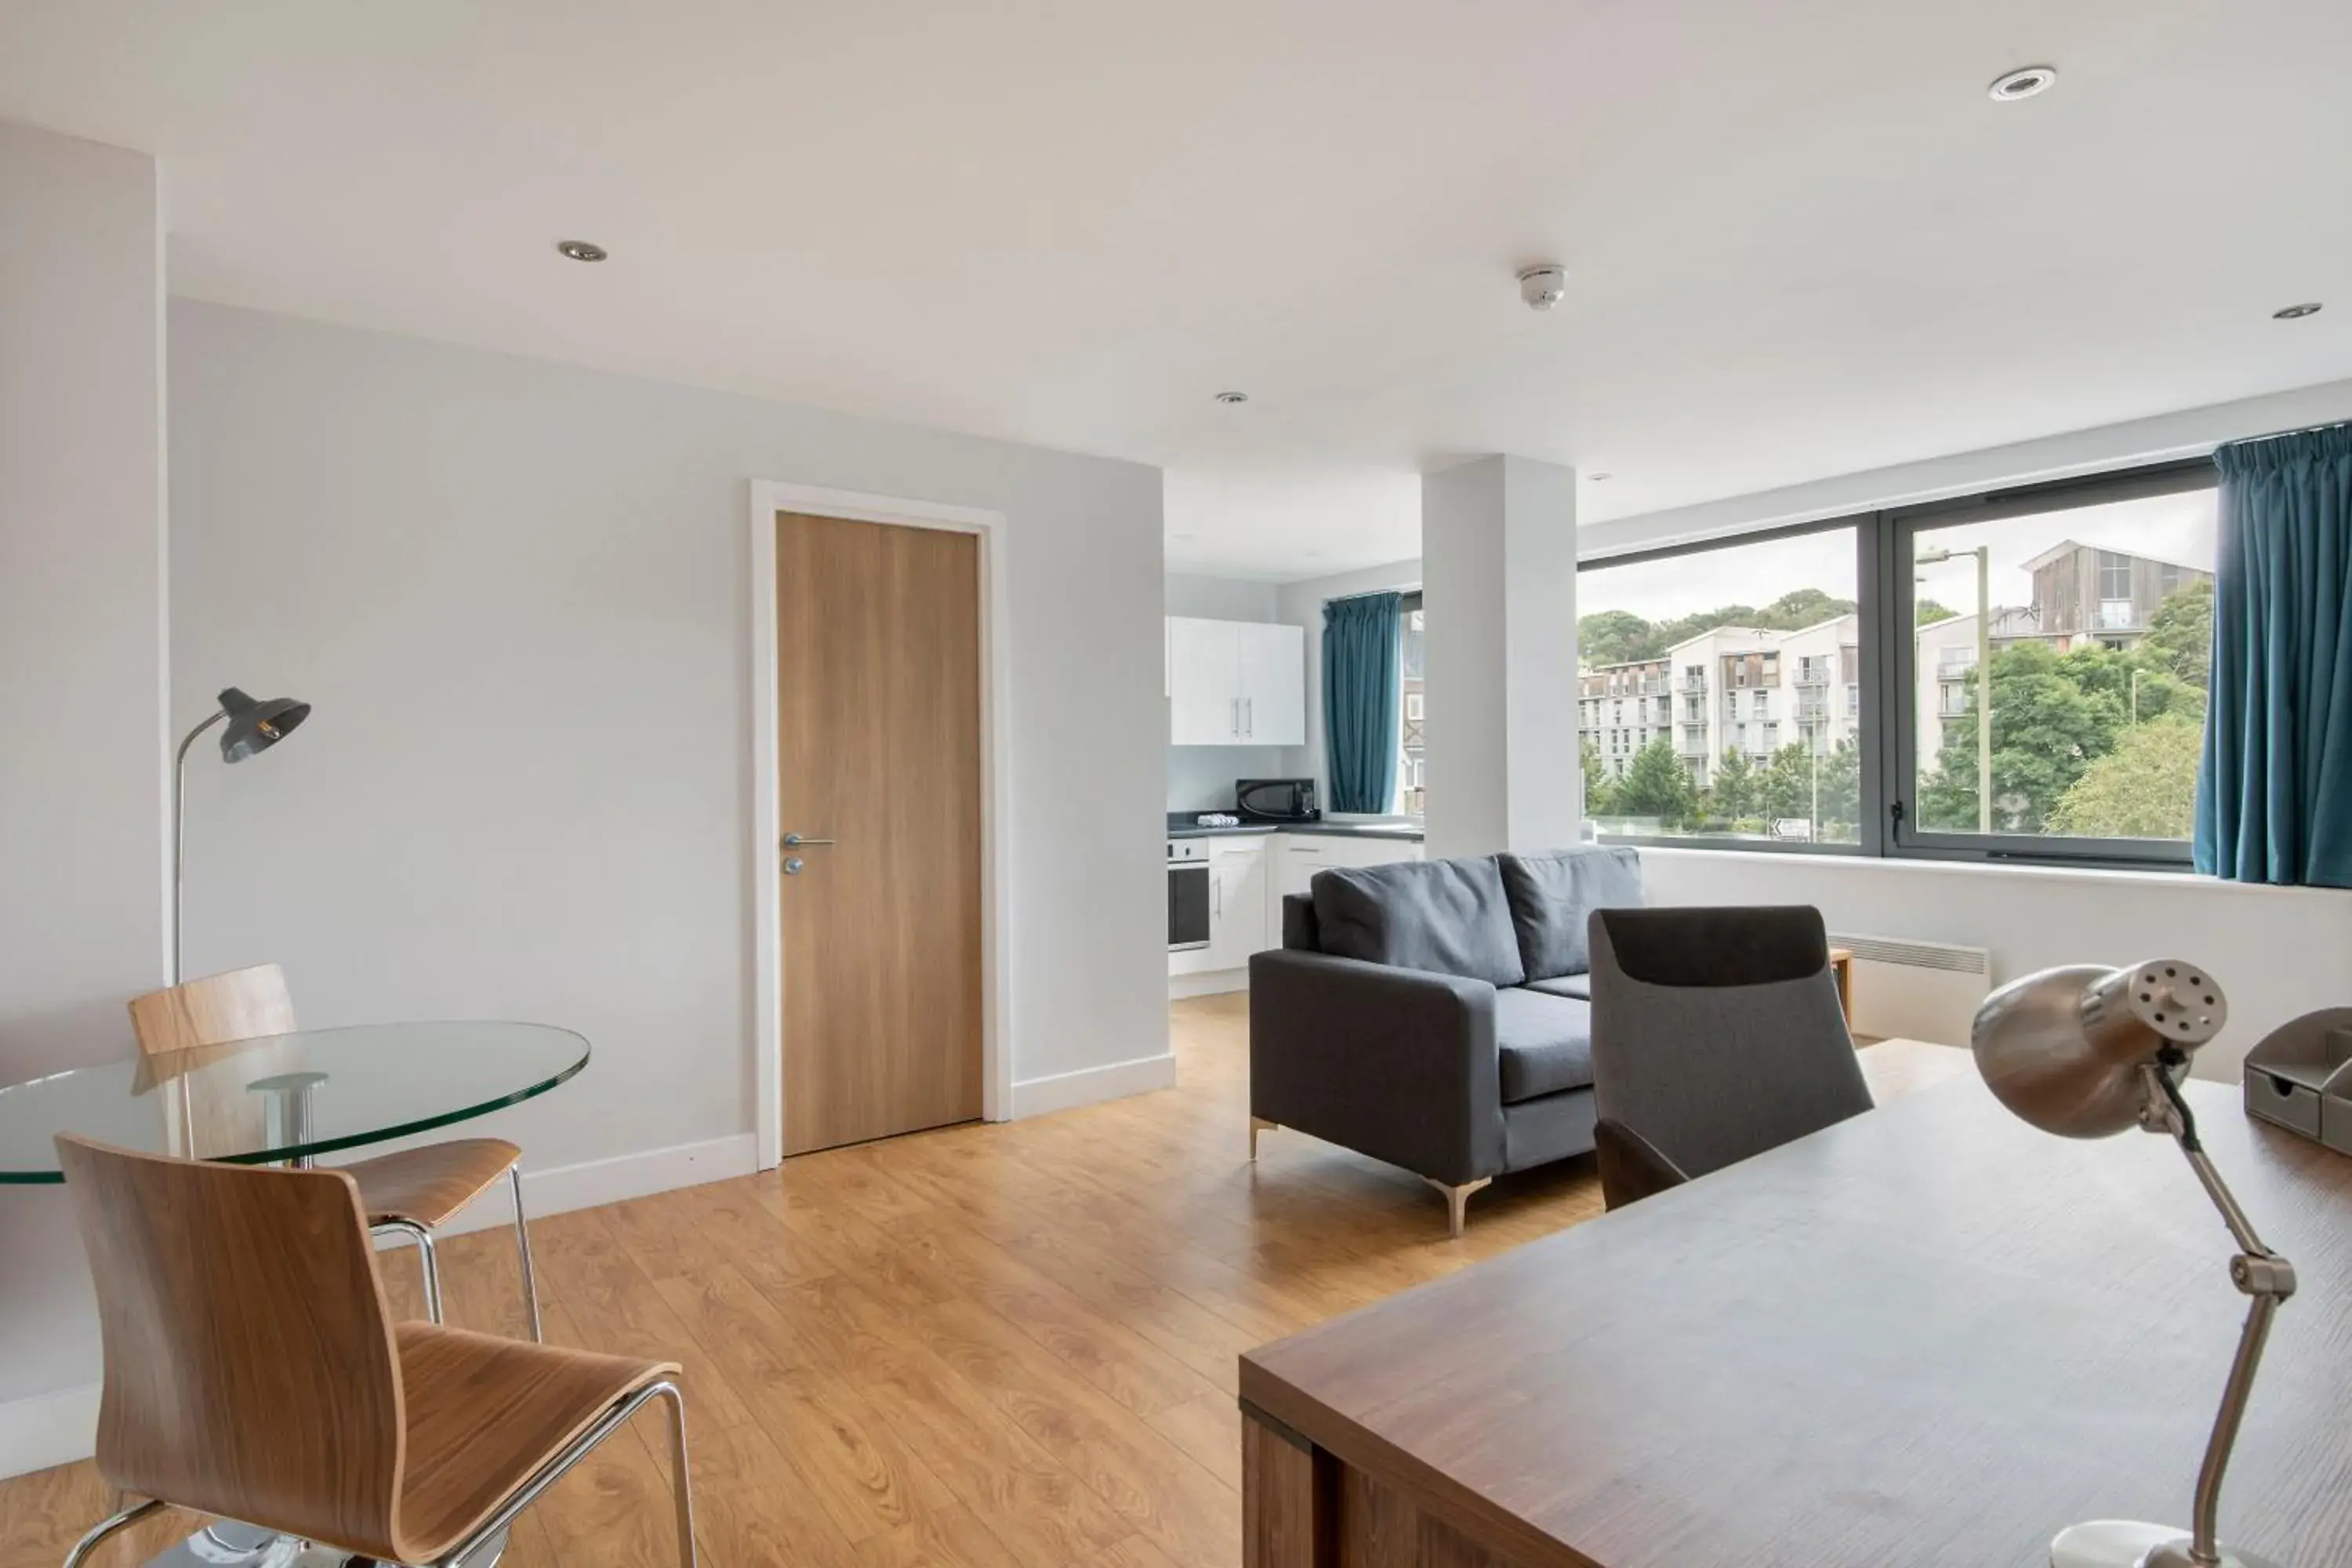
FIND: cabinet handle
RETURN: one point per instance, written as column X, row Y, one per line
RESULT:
column 1217, row 887
column 1249, row 717
column 1234, row 718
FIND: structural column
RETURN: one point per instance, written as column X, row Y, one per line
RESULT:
column 1499, row 581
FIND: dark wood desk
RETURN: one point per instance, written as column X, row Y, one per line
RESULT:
column 1931, row 1335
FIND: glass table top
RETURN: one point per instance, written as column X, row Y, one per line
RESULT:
column 312, row 1093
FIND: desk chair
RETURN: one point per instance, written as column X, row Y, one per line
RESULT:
column 253, row 1372
column 1717, row 1034
column 414, row 1191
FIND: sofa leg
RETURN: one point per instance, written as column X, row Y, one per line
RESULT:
column 1260, row 1124
column 1458, row 1200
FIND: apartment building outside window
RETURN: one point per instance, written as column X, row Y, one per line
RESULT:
column 2093, row 668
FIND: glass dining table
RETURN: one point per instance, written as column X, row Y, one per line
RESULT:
column 285, row 1099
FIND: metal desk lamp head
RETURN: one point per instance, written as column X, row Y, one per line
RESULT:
column 253, row 727
column 2086, row 1052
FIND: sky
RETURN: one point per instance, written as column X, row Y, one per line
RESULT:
column 2170, row 528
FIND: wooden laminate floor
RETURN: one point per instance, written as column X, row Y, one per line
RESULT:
column 1005, row 1346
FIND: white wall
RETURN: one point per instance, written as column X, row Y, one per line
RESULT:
column 2279, row 951
column 82, row 701
column 1301, row 605
column 1201, row 778
column 517, row 594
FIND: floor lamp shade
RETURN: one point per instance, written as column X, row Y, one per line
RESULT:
column 256, row 726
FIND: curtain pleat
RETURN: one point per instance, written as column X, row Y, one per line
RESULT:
column 2275, row 787
column 1363, row 682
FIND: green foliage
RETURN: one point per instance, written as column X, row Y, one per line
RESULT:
column 2180, row 634
column 1600, row 794
column 2047, row 729
column 1657, row 784
column 1926, row 613
column 1620, row 636
column 2144, row 788
column 1734, row 793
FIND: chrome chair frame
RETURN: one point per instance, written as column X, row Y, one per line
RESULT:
column 546, row 1476
column 431, row 1263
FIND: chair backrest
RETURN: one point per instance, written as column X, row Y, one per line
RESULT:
column 1717, row 1032
column 251, row 1367
column 241, row 1004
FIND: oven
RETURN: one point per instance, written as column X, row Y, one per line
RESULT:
column 1188, row 894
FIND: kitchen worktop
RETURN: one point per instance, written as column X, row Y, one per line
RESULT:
column 1181, row 827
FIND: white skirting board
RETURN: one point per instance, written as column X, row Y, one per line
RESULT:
column 59, row 1427
column 1068, row 1090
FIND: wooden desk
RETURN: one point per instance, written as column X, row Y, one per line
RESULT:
column 1927, row 1336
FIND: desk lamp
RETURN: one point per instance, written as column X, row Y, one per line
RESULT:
column 252, row 727
column 2086, row 1052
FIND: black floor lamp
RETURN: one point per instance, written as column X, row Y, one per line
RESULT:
column 252, row 727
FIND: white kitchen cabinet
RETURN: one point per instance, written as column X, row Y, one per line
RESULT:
column 1298, row 856
column 1235, row 683
column 1273, row 684
column 1237, row 902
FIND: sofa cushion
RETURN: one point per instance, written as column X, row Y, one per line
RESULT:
column 1553, row 895
column 1545, row 1042
column 1579, row 986
column 1448, row 916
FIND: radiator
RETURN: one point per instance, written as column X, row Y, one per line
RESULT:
column 1920, row 990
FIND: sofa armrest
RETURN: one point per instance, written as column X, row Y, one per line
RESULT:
column 1393, row 1063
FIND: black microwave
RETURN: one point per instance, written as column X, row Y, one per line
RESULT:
column 1276, row 800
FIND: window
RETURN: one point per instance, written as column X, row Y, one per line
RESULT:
column 1729, row 620
column 1412, row 790
column 2093, row 656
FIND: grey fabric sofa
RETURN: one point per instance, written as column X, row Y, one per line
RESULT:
column 1435, row 1014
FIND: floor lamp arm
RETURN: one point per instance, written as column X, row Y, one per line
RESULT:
column 179, row 827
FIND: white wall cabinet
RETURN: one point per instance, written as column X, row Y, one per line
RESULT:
column 1235, row 683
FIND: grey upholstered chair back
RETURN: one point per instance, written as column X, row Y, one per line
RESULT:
column 1717, row 1032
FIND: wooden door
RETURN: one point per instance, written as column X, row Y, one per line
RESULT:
column 877, row 635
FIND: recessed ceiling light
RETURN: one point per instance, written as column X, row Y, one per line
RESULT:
column 582, row 250
column 1232, row 397
column 2023, row 83
column 1600, row 479
column 2296, row 312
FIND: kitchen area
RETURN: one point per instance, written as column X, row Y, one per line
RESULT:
column 1246, row 822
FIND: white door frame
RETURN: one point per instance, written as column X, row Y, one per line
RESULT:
column 768, row 499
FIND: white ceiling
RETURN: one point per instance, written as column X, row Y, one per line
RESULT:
column 1802, row 241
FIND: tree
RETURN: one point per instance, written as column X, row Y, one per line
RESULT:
column 1926, row 613
column 2144, row 788
column 1600, row 795
column 1841, row 792
column 2181, row 634
column 1657, row 784
column 1788, row 784
column 2046, row 729
column 1733, row 793
column 1615, row 636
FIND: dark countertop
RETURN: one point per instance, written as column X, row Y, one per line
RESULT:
column 1259, row 829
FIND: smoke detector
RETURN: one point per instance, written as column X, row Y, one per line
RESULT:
column 1543, row 286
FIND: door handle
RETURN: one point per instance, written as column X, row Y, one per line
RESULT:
column 794, row 841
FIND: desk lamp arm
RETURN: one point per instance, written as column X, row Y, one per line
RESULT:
column 2259, row 1273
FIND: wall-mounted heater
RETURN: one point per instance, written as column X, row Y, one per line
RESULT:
column 1918, row 990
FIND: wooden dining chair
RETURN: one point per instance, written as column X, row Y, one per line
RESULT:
column 253, row 1372
column 414, row 1191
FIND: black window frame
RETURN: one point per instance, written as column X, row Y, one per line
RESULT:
column 1886, row 542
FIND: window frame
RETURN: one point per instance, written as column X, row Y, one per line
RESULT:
column 1886, row 540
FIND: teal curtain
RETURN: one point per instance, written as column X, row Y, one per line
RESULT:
column 1362, row 686
column 2275, row 789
